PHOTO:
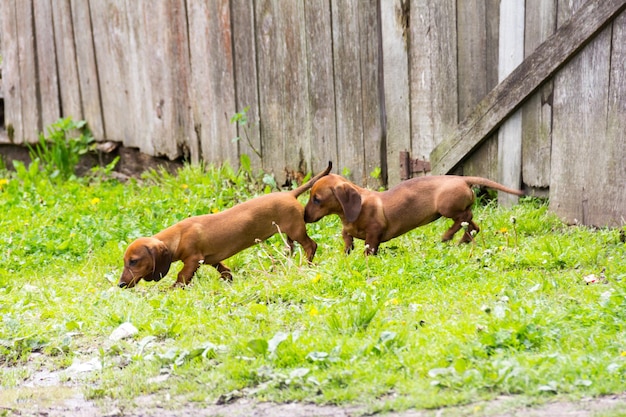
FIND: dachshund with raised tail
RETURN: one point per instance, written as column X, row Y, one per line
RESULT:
column 377, row 217
column 211, row 238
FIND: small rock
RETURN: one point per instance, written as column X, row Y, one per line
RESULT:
column 124, row 331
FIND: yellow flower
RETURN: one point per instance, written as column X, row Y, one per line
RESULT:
column 316, row 279
column 215, row 210
column 3, row 182
column 95, row 201
column 503, row 230
column 314, row 312
column 185, row 200
column 184, row 186
column 393, row 301
column 623, row 353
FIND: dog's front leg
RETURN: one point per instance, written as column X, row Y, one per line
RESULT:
column 348, row 241
column 189, row 269
column 371, row 244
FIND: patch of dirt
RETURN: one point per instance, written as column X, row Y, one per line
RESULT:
column 132, row 162
column 58, row 394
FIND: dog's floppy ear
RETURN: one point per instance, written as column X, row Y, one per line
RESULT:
column 161, row 261
column 350, row 201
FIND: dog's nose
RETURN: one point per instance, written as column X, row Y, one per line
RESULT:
column 122, row 284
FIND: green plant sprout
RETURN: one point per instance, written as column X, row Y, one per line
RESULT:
column 59, row 152
column 241, row 119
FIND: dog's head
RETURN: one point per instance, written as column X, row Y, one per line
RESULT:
column 146, row 258
column 333, row 194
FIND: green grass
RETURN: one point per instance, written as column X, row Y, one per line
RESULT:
column 423, row 324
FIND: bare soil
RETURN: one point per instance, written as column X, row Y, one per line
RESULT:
column 58, row 394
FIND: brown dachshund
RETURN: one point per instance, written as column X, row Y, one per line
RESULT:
column 380, row 216
column 211, row 238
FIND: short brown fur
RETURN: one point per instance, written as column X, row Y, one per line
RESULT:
column 380, row 216
column 211, row 238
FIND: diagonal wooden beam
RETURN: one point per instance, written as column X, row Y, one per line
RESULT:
column 509, row 95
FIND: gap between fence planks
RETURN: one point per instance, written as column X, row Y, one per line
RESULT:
column 507, row 96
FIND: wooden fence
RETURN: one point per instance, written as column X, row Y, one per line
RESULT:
column 530, row 93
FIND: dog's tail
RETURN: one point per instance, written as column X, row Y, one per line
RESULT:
column 491, row 184
column 304, row 187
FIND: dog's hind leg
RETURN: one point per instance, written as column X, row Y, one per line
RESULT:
column 459, row 220
column 224, row 271
column 298, row 234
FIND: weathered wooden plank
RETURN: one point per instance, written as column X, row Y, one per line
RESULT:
column 140, row 88
column 423, row 74
column 580, row 144
column 537, row 111
column 31, row 122
column 110, row 37
column 158, row 77
column 523, row 81
column 293, row 59
column 321, row 105
column 477, row 73
column 433, row 73
column 510, row 133
column 46, row 63
column 10, row 73
column 246, row 79
column 349, row 106
column 395, row 18
column 271, row 84
column 180, row 75
column 371, row 92
column 608, row 204
column 212, row 77
column 66, row 60
column 472, row 63
column 87, row 68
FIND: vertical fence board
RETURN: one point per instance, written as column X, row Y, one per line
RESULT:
column 397, row 109
column 110, row 31
column 11, row 73
column 179, row 81
column 321, row 104
column 282, row 86
column 609, row 205
column 423, row 60
column 349, row 107
column 477, row 73
column 537, row 111
column 87, row 68
column 31, row 123
column 46, row 63
column 166, row 107
column 213, row 91
column 433, row 74
column 246, row 93
column 295, row 99
column 66, row 60
column 511, row 54
column 371, row 93
column 140, row 72
column 579, row 139
column 270, row 55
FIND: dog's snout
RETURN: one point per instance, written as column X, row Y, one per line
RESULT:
column 122, row 284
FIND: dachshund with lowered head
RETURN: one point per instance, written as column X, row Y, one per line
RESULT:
column 211, row 238
column 380, row 216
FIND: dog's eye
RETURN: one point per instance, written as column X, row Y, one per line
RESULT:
column 132, row 262
column 316, row 200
